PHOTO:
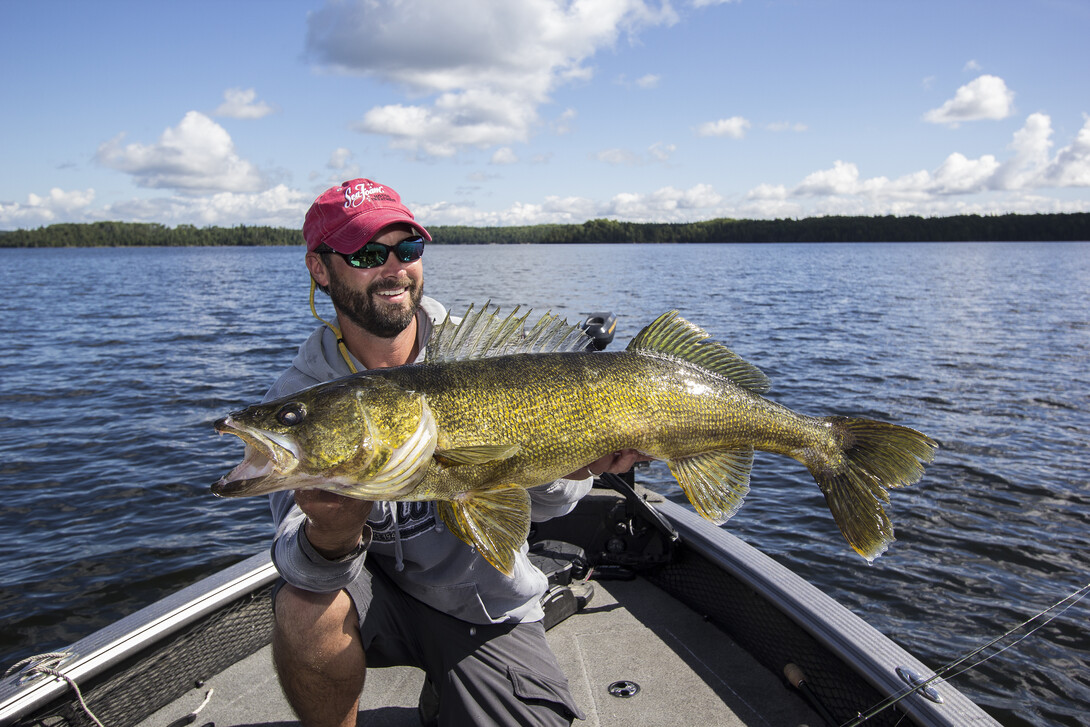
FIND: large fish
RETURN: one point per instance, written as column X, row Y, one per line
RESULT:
column 493, row 411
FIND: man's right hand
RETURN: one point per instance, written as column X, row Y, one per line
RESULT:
column 334, row 523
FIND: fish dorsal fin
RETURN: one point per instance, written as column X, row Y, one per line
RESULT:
column 671, row 335
column 484, row 334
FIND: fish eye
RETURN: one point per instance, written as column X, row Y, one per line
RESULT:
column 291, row 414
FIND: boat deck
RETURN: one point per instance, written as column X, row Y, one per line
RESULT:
column 631, row 630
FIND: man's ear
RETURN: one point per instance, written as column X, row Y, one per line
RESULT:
column 317, row 269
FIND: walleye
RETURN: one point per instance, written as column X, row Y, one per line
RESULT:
column 493, row 411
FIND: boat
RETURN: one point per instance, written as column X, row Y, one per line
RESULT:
column 657, row 616
column 686, row 624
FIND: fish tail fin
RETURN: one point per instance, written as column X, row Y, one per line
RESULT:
column 496, row 521
column 873, row 456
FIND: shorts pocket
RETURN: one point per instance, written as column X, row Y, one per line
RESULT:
column 530, row 686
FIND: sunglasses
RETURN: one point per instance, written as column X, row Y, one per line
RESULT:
column 374, row 254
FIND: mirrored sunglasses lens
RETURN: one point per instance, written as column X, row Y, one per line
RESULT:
column 409, row 250
column 369, row 256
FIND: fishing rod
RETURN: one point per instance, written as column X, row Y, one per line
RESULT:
column 940, row 674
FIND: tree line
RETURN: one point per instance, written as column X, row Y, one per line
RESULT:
column 958, row 228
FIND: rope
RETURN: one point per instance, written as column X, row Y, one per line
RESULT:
column 44, row 664
column 192, row 716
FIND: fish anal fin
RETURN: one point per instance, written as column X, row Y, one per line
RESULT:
column 482, row 454
column 715, row 482
column 671, row 335
column 496, row 521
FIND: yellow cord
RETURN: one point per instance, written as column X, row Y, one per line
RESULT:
column 336, row 331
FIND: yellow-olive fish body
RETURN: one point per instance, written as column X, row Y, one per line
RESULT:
column 485, row 417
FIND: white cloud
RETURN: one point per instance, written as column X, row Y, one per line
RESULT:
column 797, row 127
column 56, row 206
column 1031, row 145
column 734, row 127
column 341, row 158
column 487, row 66
column 479, row 118
column 1071, row 167
column 842, row 189
column 279, row 206
column 767, row 192
column 986, row 97
column 661, row 151
column 971, row 66
column 961, row 175
column 195, row 157
column 239, row 103
column 504, row 155
column 658, row 152
column 668, row 204
column 651, row 80
column 618, row 157
column 843, row 178
column 563, row 123
column 341, row 165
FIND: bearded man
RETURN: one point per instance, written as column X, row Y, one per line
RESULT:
column 372, row 584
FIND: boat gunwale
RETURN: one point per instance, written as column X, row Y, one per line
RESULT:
column 863, row 648
column 92, row 655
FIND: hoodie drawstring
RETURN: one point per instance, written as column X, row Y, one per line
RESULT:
column 399, row 558
column 336, row 331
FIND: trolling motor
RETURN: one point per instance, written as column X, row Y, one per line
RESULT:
column 600, row 327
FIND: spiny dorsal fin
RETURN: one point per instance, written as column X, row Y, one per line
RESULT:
column 672, row 335
column 484, row 334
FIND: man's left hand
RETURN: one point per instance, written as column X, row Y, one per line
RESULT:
column 617, row 463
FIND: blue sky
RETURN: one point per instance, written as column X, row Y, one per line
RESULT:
column 500, row 112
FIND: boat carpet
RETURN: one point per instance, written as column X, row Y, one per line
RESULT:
column 688, row 673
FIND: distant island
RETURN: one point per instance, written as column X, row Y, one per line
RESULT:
column 958, row 228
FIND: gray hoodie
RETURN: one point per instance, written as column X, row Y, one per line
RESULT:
column 407, row 539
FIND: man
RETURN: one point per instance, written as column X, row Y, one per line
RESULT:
column 425, row 598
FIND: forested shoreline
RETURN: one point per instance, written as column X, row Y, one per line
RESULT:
column 959, row 228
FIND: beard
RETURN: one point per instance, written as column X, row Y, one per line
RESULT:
column 384, row 321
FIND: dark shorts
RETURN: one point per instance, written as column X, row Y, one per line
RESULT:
column 485, row 674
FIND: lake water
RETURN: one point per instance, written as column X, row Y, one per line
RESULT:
column 114, row 363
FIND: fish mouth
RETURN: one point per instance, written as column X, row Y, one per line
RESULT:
column 267, row 457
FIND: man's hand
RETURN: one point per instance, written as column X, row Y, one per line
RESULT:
column 617, row 463
column 334, row 523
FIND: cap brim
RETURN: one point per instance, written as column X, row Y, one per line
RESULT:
column 362, row 228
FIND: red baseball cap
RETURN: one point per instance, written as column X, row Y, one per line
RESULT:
column 347, row 217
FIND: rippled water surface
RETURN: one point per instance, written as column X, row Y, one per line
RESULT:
column 114, row 363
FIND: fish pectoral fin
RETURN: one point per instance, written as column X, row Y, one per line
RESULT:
column 496, row 521
column 482, row 454
column 715, row 482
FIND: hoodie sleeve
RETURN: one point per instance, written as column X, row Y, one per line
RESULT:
column 557, row 498
column 296, row 559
